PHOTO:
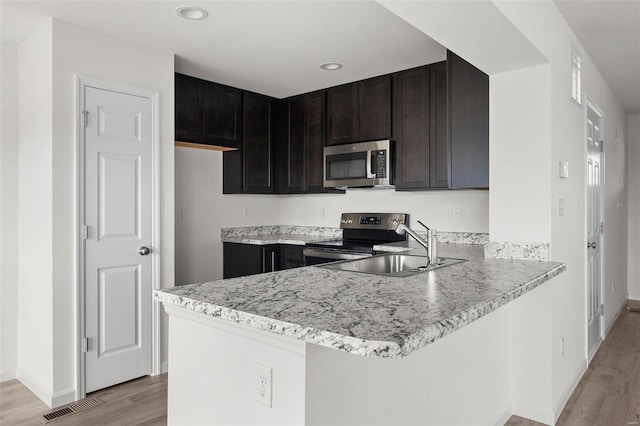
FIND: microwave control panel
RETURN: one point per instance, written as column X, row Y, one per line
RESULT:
column 379, row 162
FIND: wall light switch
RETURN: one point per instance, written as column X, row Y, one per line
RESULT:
column 564, row 169
column 560, row 206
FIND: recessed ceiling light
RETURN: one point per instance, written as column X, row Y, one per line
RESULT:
column 330, row 66
column 193, row 13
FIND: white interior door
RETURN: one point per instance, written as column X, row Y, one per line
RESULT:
column 118, row 278
column 595, row 309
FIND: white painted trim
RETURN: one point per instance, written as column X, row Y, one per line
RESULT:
column 588, row 102
column 6, row 376
column 535, row 414
column 615, row 318
column 82, row 82
column 165, row 367
column 52, row 400
column 504, row 417
column 284, row 342
column 566, row 394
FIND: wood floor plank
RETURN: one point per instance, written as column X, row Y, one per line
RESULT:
column 614, row 410
column 609, row 391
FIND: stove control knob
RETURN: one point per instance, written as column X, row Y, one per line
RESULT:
column 349, row 221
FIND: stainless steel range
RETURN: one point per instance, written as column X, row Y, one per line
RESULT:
column 361, row 231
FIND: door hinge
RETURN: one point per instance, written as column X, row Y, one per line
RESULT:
column 602, row 227
column 85, row 232
column 601, row 146
column 84, row 117
column 85, row 345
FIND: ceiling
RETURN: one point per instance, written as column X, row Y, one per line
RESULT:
column 271, row 47
column 610, row 33
column 276, row 47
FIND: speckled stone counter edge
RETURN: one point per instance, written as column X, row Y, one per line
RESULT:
column 252, row 234
column 516, row 250
column 355, row 345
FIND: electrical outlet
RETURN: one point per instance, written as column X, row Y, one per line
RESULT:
column 263, row 385
column 562, row 347
column 456, row 214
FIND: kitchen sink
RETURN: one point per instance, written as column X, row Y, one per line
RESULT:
column 393, row 265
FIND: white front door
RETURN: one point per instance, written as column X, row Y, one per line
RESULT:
column 595, row 311
column 118, row 286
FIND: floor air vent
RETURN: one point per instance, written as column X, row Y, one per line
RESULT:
column 71, row 409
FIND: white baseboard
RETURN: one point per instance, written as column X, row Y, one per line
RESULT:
column 51, row 399
column 615, row 318
column 503, row 418
column 7, row 375
column 535, row 414
column 63, row 397
column 564, row 397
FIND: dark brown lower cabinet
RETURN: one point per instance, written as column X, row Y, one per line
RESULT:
column 248, row 259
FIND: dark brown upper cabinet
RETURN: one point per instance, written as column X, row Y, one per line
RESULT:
column 411, row 115
column 207, row 113
column 468, row 96
column 359, row 111
column 257, row 145
column 188, row 109
column 304, row 157
column 440, row 125
column 222, row 115
column 251, row 168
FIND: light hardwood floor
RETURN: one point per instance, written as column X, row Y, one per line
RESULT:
column 138, row 402
column 608, row 394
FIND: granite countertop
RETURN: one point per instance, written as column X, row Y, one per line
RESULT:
column 365, row 314
column 279, row 234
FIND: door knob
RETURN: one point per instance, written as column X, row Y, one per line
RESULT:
column 144, row 251
column 591, row 245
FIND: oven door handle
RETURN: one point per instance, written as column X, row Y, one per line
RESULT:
column 324, row 254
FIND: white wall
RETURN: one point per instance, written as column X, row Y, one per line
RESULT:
column 8, row 212
column 633, row 170
column 49, row 62
column 433, row 208
column 205, row 210
column 85, row 53
column 35, row 196
column 567, row 121
column 520, row 142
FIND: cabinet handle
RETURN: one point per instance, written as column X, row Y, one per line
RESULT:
column 273, row 261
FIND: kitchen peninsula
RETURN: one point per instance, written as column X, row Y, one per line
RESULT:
column 458, row 345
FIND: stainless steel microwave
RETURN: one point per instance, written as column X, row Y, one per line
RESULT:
column 359, row 164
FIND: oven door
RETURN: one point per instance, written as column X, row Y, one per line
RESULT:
column 317, row 256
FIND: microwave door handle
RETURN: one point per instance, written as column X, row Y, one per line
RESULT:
column 370, row 175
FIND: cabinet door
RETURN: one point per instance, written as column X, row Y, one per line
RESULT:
column 294, row 165
column 222, row 115
column 342, row 114
column 271, row 258
column 411, row 115
column 469, row 124
column 242, row 259
column 438, row 128
column 257, row 148
column 291, row 256
column 314, row 136
column 374, row 109
column 188, row 108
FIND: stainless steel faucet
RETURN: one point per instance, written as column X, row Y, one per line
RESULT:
column 402, row 228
